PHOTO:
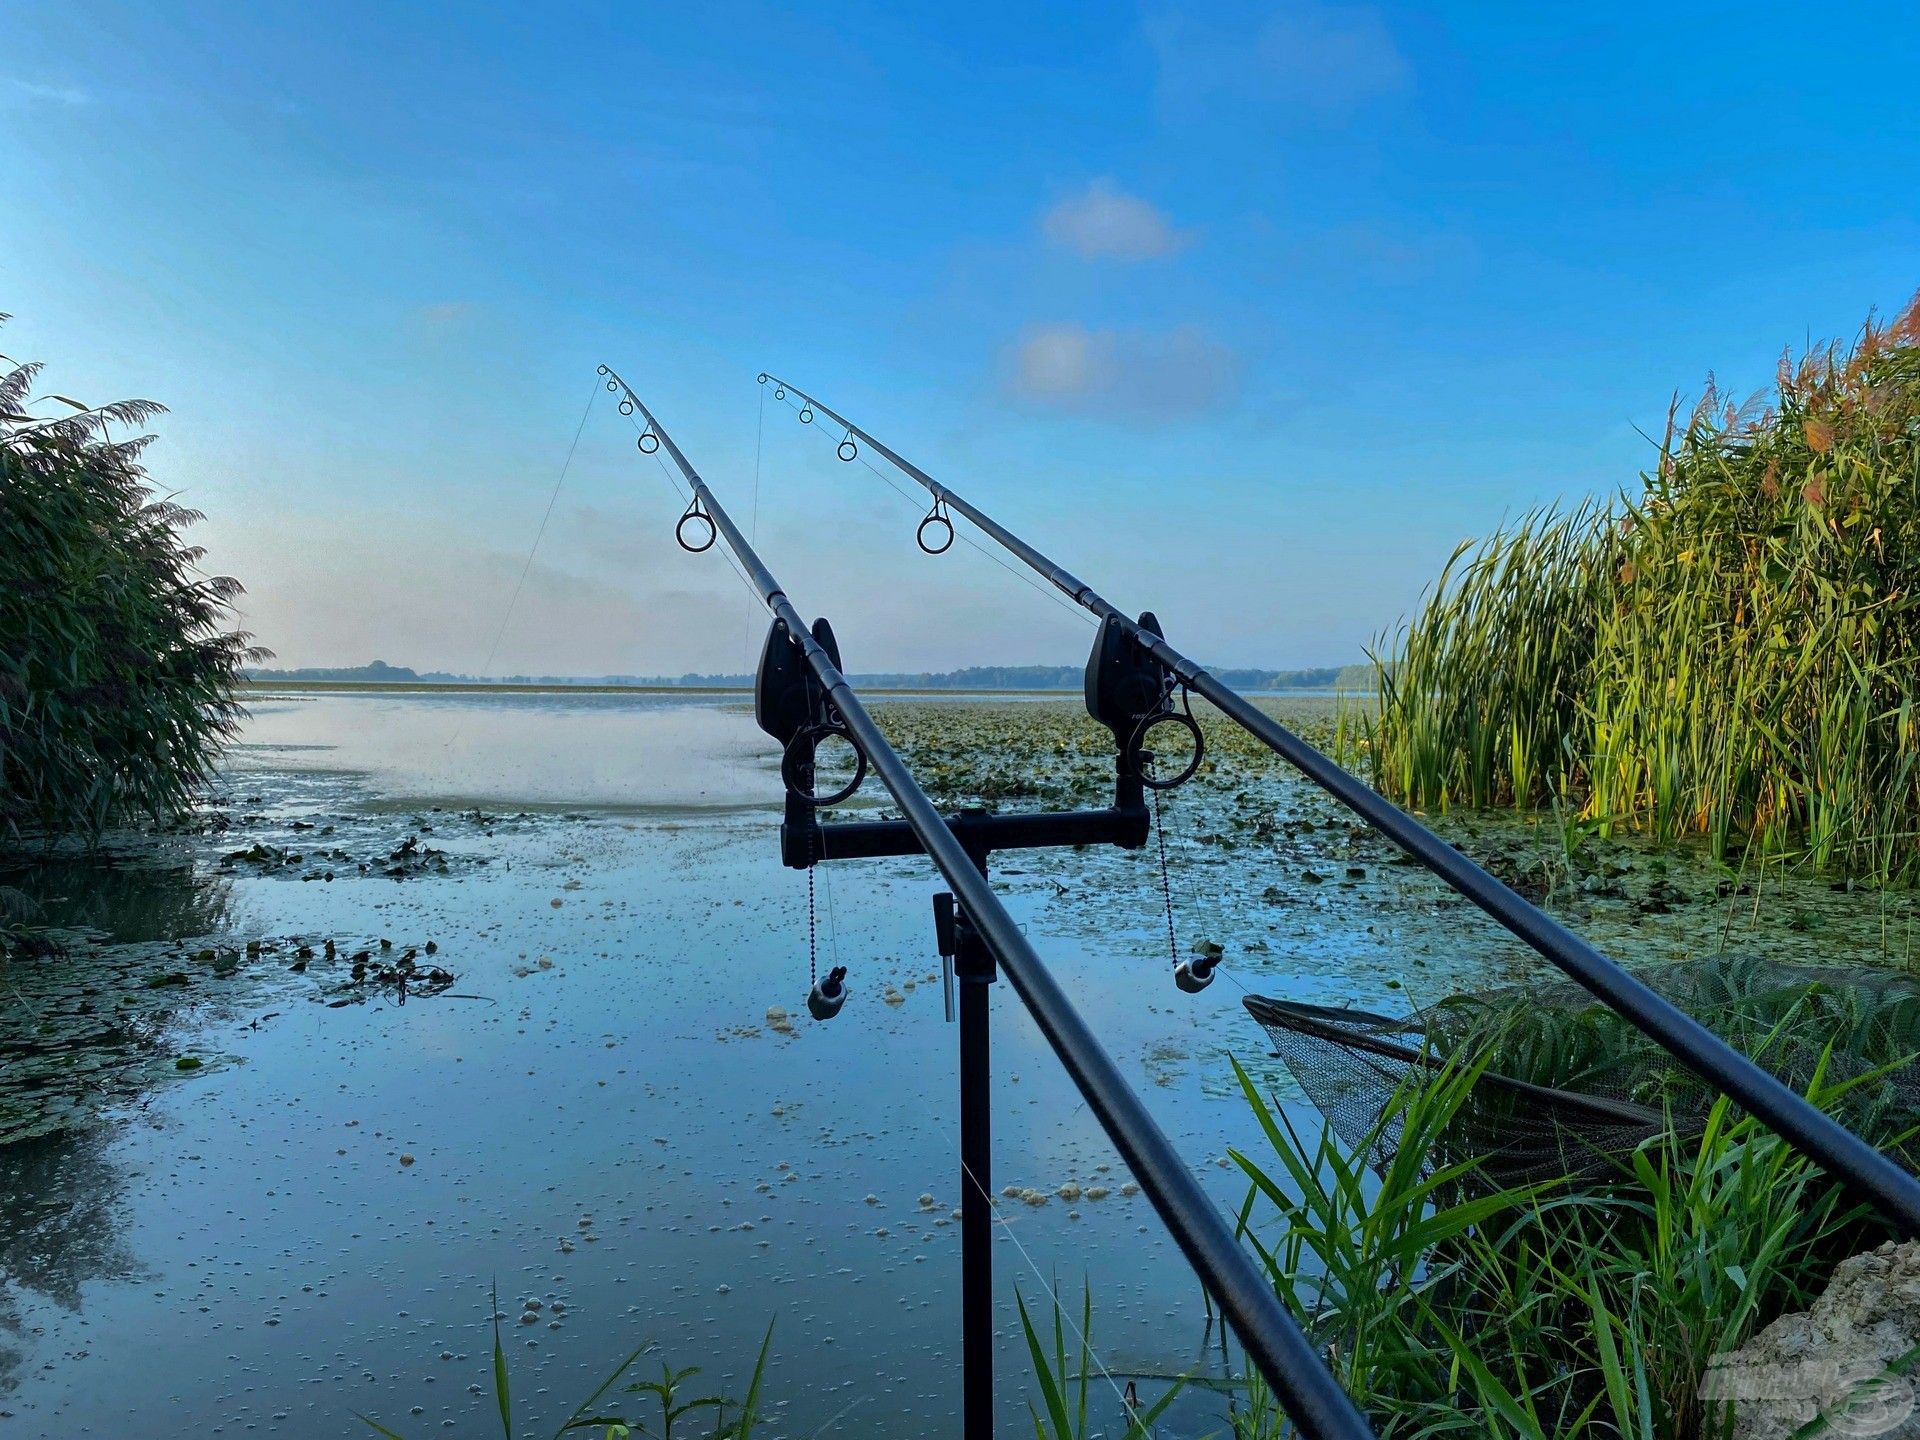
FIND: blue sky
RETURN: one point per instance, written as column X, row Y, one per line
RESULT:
column 1249, row 312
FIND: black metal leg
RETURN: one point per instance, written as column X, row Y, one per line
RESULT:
column 974, row 970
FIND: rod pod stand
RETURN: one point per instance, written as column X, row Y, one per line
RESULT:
column 1125, row 691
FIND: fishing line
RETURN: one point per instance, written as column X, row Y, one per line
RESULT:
column 486, row 670
column 978, row 549
column 813, row 924
column 888, row 481
column 1058, row 1309
column 833, row 927
column 833, row 922
column 514, row 599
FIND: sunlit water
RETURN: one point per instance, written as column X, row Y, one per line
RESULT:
column 596, row 1114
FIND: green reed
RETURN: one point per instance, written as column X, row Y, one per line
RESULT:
column 1729, row 654
column 1588, row 1310
column 118, row 655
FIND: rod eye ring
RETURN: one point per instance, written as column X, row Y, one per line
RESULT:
column 680, row 532
column 920, row 535
column 626, row 407
column 779, row 392
column 648, row 443
column 1185, row 720
column 806, row 414
column 612, row 386
column 847, row 450
column 806, row 740
column 600, row 370
column 763, row 378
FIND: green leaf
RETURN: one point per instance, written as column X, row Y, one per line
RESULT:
column 500, row 1390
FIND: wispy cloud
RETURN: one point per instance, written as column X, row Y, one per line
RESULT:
column 37, row 92
column 1105, row 222
column 1307, row 57
column 1145, row 376
column 442, row 322
column 445, row 314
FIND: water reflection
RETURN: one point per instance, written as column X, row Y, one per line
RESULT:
column 127, row 898
column 64, row 1203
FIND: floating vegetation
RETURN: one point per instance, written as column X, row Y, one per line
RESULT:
column 382, row 973
column 84, row 1036
column 128, row 952
column 97, row 1025
column 407, row 860
column 1001, row 756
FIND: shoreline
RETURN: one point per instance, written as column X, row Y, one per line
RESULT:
column 471, row 687
column 450, row 687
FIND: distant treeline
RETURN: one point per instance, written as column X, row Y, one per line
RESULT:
column 974, row 677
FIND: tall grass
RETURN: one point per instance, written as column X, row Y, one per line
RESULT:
column 1449, row 1306
column 118, row 657
column 1729, row 654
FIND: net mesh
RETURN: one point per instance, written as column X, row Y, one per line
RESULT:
column 1572, row 1089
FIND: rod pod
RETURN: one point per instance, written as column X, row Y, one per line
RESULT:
column 992, row 942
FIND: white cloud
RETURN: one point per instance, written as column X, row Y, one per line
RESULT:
column 1304, row 56
column 34, row 92
column 1139, row 375
column 1104, row 222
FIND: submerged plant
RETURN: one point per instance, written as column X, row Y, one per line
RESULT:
column 1732, row 653
column 117, row 657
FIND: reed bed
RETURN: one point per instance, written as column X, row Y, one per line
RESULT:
column 1729, row 654
column 118, row 655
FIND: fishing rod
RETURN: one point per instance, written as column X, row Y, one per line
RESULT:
column 1871, row 1175
column 983, row 935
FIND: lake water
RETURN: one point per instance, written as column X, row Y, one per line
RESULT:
column 303, row 1223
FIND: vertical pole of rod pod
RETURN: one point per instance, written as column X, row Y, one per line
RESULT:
column 974, row 968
